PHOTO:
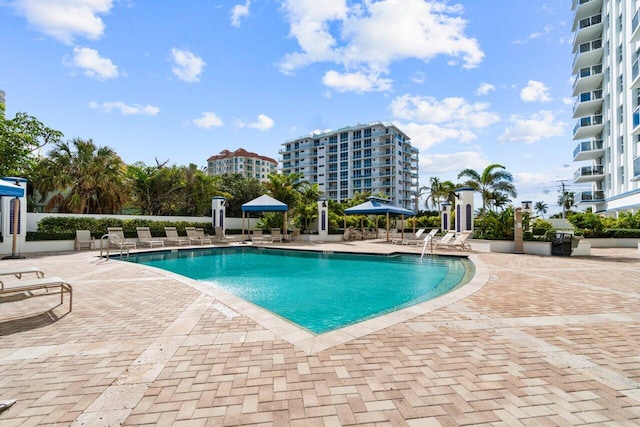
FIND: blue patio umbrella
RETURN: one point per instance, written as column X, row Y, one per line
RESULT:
column 378, row 206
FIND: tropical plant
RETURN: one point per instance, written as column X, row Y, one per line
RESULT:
column 494, row 184
column 541, row 208
column 86, row 178
column 20, row 140
column 567, row 200
column 285, row 187
column 496, row 226
column 240, row 189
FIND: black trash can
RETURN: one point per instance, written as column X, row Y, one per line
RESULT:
column 561, row 244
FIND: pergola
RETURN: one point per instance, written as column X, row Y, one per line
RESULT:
column 264, row 203
column 378, row 206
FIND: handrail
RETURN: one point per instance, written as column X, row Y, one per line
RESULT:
column 108, row 236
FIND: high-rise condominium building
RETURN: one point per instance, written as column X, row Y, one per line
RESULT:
column 250, row 165
column 607, row 84
column 374, row 157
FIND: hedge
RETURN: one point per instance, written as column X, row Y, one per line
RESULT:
column 64, row 228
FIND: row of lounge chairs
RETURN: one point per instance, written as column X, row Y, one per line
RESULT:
column 449, row 241
column 39, row 286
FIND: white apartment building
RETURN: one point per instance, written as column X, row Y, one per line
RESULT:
column 250, row 165
column 375, row 157
column 607, row 86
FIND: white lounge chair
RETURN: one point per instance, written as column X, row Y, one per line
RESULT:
column 84, row 239
column 220, row 236
column 193, row 237
column 256, row 235
column 446, row 239
column 276, row 236
column 117, row 239
column 427, row 238
column 460, row 242
column 145, row 238
column 28, row 287
column 173, row 238
column 413, row 238
column 18, row 272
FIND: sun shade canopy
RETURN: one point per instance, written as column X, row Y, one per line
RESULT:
column 265, row 203
column 375, row 206
column 10, row 190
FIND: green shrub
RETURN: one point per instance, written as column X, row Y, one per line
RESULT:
column 64, row 228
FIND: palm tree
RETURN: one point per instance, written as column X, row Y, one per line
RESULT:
column 541, row 208
column 435, row 192
column 567, row 200
column 493, row 183
column 87, row 178
column 285, row 187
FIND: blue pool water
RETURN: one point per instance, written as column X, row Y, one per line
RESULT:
column 318, row 291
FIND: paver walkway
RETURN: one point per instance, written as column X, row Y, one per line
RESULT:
column 542, row 341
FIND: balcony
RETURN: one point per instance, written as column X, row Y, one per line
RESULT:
column 588, row 29
column 588, row 150
column 636, row 169
column 636, row 122
column 635, row 28
column 589, row 174
column 588, row 54
column 589, row 196
column 588, row 103
column 588, row 127
column 584, row 8
column 588, row 79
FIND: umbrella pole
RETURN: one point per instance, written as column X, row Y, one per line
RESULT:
column 242, row 227
column 284, row 225
column 402, row 223
column 387, row 227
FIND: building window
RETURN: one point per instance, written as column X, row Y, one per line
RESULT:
column 357, row 134
column 344, row 136
column 333, row 139
column 344, row 156
column 344, row 146
column 344, row 166
column 357, row 145
column 367, row 133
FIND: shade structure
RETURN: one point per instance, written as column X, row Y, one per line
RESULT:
column 377, row 206
column 10, row 190
column 265, row 203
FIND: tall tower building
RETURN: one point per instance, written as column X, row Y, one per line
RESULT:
column 374, row 157
column 607, row 109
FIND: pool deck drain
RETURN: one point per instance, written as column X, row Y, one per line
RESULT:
column 530, row 341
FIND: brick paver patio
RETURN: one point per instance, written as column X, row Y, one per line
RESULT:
column 531, row 341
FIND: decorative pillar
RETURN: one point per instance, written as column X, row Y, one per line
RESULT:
column 218, row 212
column 14, row 215
column 518, row 240
column 445, row 217
column 323, row 219
column 464, row 209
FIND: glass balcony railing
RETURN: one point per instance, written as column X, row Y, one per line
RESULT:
column 588, row 171
column 636, row 168
column 590, row 196
column 592, row 20
column 636, row 118
column 589, row 121
column 587, row 47
column 586, row 97
column 634, row 21
column 587, row 72
column 586, row 146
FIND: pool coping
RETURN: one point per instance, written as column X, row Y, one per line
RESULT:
column 311, row 343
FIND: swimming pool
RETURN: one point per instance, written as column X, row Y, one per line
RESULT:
column 318, row 291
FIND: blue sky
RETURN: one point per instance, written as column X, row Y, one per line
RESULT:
column 471, row 82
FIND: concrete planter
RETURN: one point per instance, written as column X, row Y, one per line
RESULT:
column 508, row 247
column 317, row 238
column 613, row 242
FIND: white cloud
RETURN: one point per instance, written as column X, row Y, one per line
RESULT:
column 93, row 64
column 126, row 110
column 65, row 19
column 485, row 88
column 238, row 12
column 536, row 35
column 356, row 82
column 538, row 126
column 418, row 77
column 264, row 123
column 451, row 111
column 568, row 101
column 208, row 120
column 361, row 38
column 188, row 66
column 535, row 92
column 425, row 136
column 435, row 164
